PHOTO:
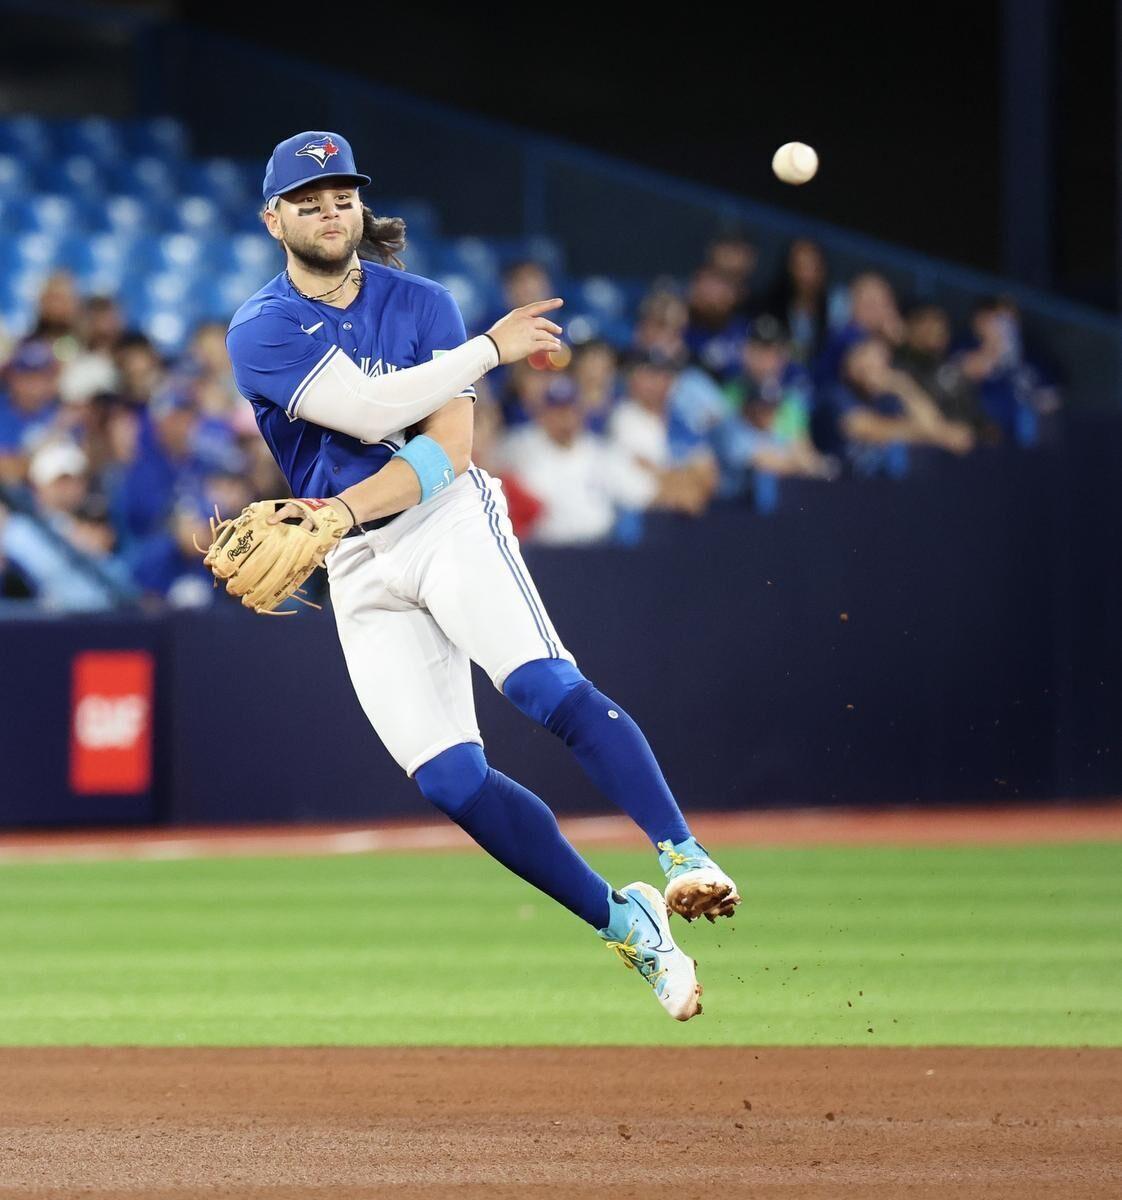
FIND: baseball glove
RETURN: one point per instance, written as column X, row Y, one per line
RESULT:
column 265, row 564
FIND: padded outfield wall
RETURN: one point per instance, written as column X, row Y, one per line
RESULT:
column 950, row 638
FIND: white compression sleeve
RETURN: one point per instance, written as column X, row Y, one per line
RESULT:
column 337, row 395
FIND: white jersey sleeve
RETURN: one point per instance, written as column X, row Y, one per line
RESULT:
column 337, row 395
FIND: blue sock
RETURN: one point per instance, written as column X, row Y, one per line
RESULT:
column 515, row 827
column 608, row 744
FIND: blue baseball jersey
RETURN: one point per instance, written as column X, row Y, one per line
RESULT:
column 278, row 341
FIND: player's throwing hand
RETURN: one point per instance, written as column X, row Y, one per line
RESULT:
column 524, row 331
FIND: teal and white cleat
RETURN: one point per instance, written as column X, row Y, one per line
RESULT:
column 639, row 933
column 696, row 886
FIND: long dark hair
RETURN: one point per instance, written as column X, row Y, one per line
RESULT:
column 383, row 239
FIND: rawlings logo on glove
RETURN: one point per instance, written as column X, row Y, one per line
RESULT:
column 264, row 562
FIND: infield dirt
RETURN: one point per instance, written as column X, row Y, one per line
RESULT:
column 635, row 1123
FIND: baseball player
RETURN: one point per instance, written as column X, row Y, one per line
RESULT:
column 360, row 375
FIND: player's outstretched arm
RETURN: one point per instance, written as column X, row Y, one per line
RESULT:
column 337, row 395
column 398, row 485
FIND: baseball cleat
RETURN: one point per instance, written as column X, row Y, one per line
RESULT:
column 639, row 933
column 696, row 886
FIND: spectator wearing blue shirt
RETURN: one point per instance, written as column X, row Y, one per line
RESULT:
column 29, row 406
column 65, row 549
column 878, row 410
column 1015, row 392
column 716, row 332
column 769, row 405
column 873, row 312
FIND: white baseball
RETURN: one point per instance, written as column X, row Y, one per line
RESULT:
column 795, row 162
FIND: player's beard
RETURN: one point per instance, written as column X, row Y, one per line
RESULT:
column 325, row 260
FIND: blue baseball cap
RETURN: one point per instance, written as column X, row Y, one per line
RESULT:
column 290, row 164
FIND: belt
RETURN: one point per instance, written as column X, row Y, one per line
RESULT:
column 370, row 526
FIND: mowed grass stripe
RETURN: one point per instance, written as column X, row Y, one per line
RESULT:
column 987, row 946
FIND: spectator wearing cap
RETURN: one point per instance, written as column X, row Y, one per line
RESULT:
column 873, row 312
column 1015, row 392
column 877, row 406
column 581, row 481
column 29, row 405
column 715, row 333
column 770, row 405
column 641, row 427
column 800, row 299
column 65, row 547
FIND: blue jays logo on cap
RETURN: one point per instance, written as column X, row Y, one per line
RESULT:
column 321, row 150
column 288, row 165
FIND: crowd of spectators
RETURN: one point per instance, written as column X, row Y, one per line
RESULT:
column 112, row 458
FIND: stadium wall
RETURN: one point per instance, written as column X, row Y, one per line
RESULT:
column 949, row 638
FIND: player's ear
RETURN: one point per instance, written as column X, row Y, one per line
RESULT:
column 272, row 224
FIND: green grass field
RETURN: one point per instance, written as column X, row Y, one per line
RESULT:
column 994, row 946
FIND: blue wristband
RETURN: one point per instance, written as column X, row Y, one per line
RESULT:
column 433, row 467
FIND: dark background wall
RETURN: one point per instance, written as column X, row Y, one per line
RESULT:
column 951, row 638
column 936, row 124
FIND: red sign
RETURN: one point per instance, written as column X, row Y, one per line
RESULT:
column 111, row 722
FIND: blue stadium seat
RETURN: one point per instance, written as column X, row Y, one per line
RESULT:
column 468, row 295
column 147, row 178
column 29, row 251
column 124, row 216
column 251, row 253
column 30, row 139
column 420, row 217
column 44, row 214
column 97, row 253
column 468, row 255
column 78, row 176
column 157, row 137
column 16, row 178
column 217, row 298
column 600, row 295
column 222, row 180
column 198, row 215
column 95, row 138
column 168, row 328
column 538, row 249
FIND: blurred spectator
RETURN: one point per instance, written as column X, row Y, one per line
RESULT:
column 60, row 308
column 141, row 367
column 770, row 404
column 1014, row 391
column 877, row 405
column 64, row 550
column 663, row 317
column 734, row 256
column 801, row 299
column 872, row 313
column 217, row 393
column 715, row 333
column 175, row 449
column 524, row 507
column 581, row 481
column 640, row 426
column 521, row 393
column 923, row 355
column 594, row 371
column 29, row 406
column 523, row 283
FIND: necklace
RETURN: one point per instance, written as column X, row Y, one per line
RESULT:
column 355, row 275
